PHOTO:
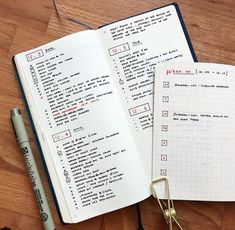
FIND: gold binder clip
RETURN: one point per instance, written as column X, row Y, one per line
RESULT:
column 168, row 209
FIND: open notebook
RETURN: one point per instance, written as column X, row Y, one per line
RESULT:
column 194, row 130
column 90, row 99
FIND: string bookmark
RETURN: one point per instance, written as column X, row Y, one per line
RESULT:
column 168, row 209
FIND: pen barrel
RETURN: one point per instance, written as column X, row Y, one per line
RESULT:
column 37, row 186
column 23, row 139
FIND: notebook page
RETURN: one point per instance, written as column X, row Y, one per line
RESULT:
column 133, row 47
column 194, row 130
column 79, row 120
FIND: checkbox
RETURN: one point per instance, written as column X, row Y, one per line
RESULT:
column 166, row 84
column 163, row 157
column 163, row 172
column 164, row 128
column 163, row 142
column 164, row 113
column 165, row 99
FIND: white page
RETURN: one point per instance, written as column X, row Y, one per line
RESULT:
column 194, row 130
column 81, row 126
column 133, row 47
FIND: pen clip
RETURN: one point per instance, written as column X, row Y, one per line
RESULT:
column 168, row 209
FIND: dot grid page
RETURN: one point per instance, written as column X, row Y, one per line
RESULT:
column 194, row 130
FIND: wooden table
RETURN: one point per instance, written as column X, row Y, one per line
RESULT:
column 30, row 23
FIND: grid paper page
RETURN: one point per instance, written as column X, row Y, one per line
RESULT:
column 194, row 130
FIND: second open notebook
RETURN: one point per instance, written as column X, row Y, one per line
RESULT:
column 194, row 130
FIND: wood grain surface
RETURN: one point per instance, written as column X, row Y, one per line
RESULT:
column 25, row 24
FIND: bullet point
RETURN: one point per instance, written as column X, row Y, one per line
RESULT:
column 164, row 113
column 163, row 157
column 166, row 84
column 163, row 142
column 163, row 172
column 165, row 98
column 164, row 128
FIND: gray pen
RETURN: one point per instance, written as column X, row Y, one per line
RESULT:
column 23, row 139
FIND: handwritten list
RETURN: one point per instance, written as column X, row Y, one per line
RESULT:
column 85, row 136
